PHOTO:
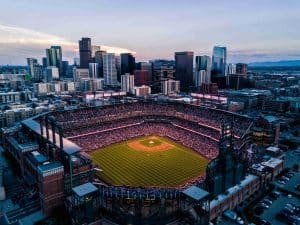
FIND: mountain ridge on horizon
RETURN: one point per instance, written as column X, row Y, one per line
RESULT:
column 281, row 63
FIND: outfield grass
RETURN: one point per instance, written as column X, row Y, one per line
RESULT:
column 122, row 165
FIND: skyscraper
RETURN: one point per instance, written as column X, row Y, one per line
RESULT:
column 99, row 60
column 54, row 57
column 51, row 73
column 93, row 70
column 44, row 61
column 31, row 62
column 231, row 69
column 85, row 52
column 127, row 63
column 161, row 70
column 241, row 69
column 109, row 69
column 127, row 83
column 199, row 78
column 184, row 69
column 203, row 63
column 141, row 77
column 219, row 61
column 145, row 66
column 65, row 67
column 35, row 70
column 170, row 87
column 118, row 66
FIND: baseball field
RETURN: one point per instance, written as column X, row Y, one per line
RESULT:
column 148, row 161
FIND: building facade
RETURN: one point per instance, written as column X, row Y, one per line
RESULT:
column 219, row 61
column 127, row 83
column 204, row 63
column 54, row 57
column 170, row 87
column 109, row 69
column 184, row 69
column 127, row 63
column 85, row 52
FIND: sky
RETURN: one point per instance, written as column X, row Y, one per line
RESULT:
column 252, row 30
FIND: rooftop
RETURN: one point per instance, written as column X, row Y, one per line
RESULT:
column 84, row 189
column 39, row 157
column 68, row 146
column 195, row 193
column 273, row 149
column 49, row 166
column 272, row 163
column 270, row 119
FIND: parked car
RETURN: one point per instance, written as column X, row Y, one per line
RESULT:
column 274, row 195
column 281, row 182
column 285, row 178
column 267, row 201
column 239, row 220
column 264, row 205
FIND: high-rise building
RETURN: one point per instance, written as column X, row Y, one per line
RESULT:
column 127, row 83
column 93, row 70
column 54, row 57
column 99, row 60
column 184, row 69
column 141, row 77
column 52, row 73
column 35, row 70
column 170, row 87
column 118, row 66
column 127, row 63
column 145, row 66
column 65, row 67
column 31, row 62
column 241, row 69
column 200, row 78
column 79, row 73
column 231, row 69
column 109, row 69
column 203, row 63
column 85, row 52
column 97, row 84
column 161, row 70
column 219, row 60
column 44, row 61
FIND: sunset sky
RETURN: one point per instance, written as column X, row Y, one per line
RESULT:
column 252, row 30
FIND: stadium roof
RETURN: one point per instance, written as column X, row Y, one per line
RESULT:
column 84, row 189
column 68, row 146
column 195, row 193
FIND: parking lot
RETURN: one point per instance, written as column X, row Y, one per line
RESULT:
column 289, row 185
column 275, row 208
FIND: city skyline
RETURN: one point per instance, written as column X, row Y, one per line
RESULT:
column 153, row 29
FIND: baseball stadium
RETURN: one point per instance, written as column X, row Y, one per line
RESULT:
column 149, row 150
column 134, row 160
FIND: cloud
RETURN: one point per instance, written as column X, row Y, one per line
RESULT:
column 16, row 44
